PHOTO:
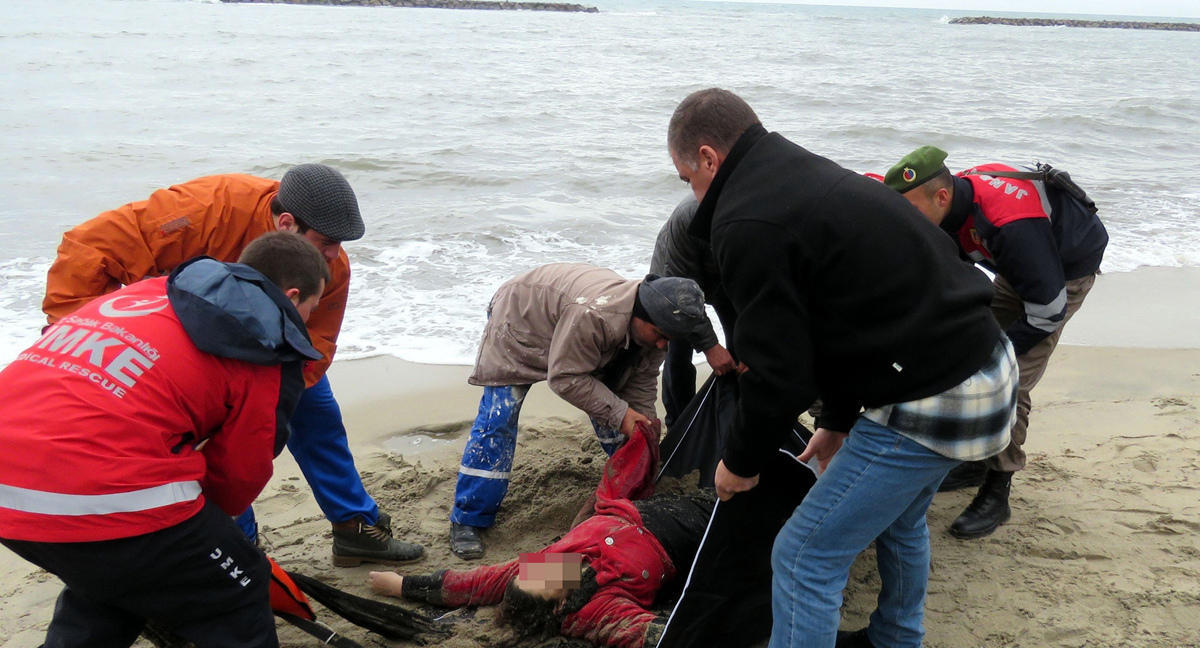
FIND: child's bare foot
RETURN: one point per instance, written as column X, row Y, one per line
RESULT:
column 387, row 583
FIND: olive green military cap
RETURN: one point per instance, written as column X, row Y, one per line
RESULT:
column 916, row 168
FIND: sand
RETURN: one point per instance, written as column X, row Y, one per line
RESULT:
column 1101, row 550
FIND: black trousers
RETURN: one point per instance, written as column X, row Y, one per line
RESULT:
column 678, row 380
column 679, row 374
column 201, row 579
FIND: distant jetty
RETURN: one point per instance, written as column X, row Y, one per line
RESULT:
column 1060, row 22
column 438, row 4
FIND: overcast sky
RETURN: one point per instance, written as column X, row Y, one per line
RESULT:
column 1172, row 8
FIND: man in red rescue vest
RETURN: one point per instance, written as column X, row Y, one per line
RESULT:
column 1045, row 246
column 136, row 426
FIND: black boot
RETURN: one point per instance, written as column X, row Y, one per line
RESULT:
column 988, row 510
column 966, row 474
column 855, row 639
column 465, row 541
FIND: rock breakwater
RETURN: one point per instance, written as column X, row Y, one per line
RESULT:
column 438, row 4
column 1062, row 22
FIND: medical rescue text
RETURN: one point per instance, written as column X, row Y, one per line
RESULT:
column 103, row 352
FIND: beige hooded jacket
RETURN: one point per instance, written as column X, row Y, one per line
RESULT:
column 563, row 323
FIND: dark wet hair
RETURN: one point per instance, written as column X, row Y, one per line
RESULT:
column 533, row 617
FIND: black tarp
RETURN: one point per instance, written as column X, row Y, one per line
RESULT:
column 726, row 599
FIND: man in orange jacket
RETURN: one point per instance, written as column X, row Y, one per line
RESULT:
column 218, row 216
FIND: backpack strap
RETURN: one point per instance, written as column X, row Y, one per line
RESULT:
column 1056, row 178
column 1019, row 175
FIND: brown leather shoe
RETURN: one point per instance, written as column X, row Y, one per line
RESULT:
column 356, row 542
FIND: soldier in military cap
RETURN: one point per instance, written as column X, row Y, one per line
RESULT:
column 1038, row 232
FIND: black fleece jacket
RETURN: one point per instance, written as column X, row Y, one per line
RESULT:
column 843, row 291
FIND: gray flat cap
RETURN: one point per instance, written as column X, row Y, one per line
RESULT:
column 676, row 305
column 321, row 197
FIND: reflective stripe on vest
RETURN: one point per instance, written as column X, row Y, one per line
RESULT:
column 46, row 503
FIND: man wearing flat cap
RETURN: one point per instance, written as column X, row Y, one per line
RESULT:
column 218, row 216
column 1045, row 247
column 596, row 338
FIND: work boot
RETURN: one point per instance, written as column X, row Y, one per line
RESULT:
column 853, row 639
column 966, row 474
column 988, row 510
column 465, row 541
column 356, row 542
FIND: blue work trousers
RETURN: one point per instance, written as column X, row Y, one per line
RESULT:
column 318, row 443
column 877, row 488
column 488, row 457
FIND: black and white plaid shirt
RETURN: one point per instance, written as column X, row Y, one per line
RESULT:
column 969, row 421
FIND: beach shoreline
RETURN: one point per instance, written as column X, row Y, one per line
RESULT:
column 1100, row 550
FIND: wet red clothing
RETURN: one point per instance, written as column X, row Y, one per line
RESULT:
column 630, row 565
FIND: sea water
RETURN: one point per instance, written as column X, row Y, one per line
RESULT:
column 484, row 143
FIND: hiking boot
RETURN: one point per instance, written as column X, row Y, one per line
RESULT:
column 968, row 474
column 384, row 521
column 356, row 542
column 465, row 541
column 853, row 639
column 988, row 510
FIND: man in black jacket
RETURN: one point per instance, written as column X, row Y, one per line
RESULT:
column 844, row 292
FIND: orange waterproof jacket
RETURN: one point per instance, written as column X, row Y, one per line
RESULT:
column 215, row 216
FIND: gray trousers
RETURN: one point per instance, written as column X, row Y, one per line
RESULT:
column 1007, row 307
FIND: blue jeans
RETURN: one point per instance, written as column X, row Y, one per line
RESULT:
column 318, row 443
column 488, row 457
column 877, row 488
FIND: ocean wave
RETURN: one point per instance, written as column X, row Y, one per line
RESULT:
column 481, row 145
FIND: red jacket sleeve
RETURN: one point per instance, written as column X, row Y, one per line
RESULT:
column 480, row 586
column 239, row 455
column 629, row 474
column 610, row 619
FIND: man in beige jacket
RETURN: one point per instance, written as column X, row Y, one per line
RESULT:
column 598, row 340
